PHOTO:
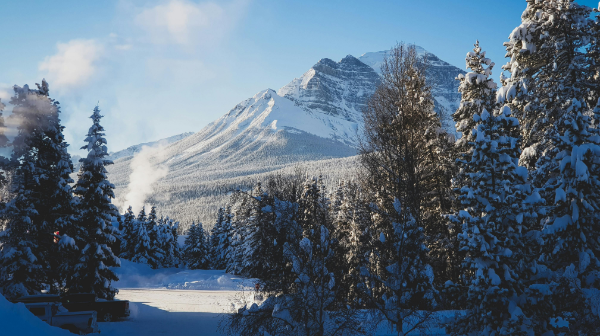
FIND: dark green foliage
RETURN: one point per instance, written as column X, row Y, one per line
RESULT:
column 95, row 213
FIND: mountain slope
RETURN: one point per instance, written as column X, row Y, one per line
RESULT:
column 263, row 134
column 311, row 122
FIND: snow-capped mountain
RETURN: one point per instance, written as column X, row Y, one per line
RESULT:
column 312, row 121
column 339, row 89
column 441, row 75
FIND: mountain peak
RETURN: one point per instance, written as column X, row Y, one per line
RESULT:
column 340, row 89
column 265, row 94
column 440, row 74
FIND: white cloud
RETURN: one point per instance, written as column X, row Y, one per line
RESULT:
column 186, row 23
column 74, row 63
column 5, row 93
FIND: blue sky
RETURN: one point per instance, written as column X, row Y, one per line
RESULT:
column 160, row 68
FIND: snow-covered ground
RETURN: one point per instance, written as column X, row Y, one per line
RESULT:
column 15, row 319
column 172, row 312
column 175, row 301
column 166, row 302
column 132, row 275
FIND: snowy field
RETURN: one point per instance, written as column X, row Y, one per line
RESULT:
column 163, row 302
column 175, row 301
column 132, row 275
column 171, row 312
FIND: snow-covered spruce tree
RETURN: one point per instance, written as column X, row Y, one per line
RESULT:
column 571, row 225
column 142, row 248
column 167, row 238
column 552, row 89
column 236, row 253
column 196, row 249
column 128, row 234
column 548, row 57
column 260, row 244
column 392, row 151
column 477, row 93
column 42, row 202
column 497, row 211
column 153, row 233
column 219, row 239
column 174, row 225
column 151, row 222
column 95, row 212
column 351, row 221
column 142, row 218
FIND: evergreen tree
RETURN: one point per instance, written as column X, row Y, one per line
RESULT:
column 165, row 243
column 219, row 239
column 497, row 212
column 477, row 93
column 260, row 243
column 552, row 90
column 128, row 234
column 175, row 249
column 143, row 219
column 156, row 246
column 351, row 221
column 151, row 222
column 196, row 247
column 92, row 272
column 142, row 247
column 42, row 203
column 549, row 62
column 146, row 250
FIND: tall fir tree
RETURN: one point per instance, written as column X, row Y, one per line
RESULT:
column 477, row 91
column 95, row 208
column 351, row 221
column 219, row 239
column 549, row 57
column 142, row 218
column 128, row 234
column 196, row 247
column 498, row 211
column 261, row 240
column 145, row 249
column 553, row 90
column 42, row 202
column 142, row 247
column 166, row 243
column 153, row 233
